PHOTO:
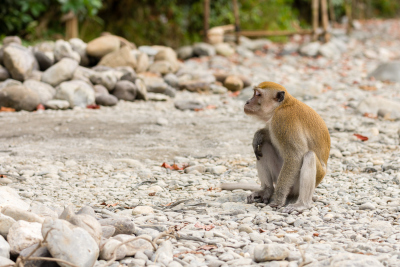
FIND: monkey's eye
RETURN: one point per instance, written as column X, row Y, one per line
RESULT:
column 257, row 93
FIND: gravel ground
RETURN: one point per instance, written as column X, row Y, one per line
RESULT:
column 110, row 159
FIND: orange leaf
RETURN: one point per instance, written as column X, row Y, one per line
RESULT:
column 112, row 205
column 262, row 230
column 176, row 167
column 361, row 137
column 166, row 165
column 204, row 227
column 367, row 88
column 315, row 234
column 370, row 115
column 40, row 107
column 207, row 247
column 211, row 107
column 152, row 194
column 4, row 109
column 94, row 106
column 234, row 94
column 3, row 176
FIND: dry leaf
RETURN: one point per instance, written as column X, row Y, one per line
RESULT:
column 262, row 230
column 367, row 88
column 180, row 226
column 152, row 194
column 234, row 94
column 94, row 106
column 361, row 137
column 315, row 234
column 166, row 165
column 176, row 167
column 173, row 167
column 370, row 115
column 4, row 109
column 204, row 227
column 40, row 107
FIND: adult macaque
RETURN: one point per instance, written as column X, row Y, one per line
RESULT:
column 292, row 149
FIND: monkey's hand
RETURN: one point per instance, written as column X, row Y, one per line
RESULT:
column 258, row 141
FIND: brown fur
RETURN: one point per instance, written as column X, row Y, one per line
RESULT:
column 293, row 129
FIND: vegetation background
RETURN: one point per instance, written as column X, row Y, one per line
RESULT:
column 165, row 22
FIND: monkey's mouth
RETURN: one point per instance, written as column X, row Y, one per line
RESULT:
column 248, row 110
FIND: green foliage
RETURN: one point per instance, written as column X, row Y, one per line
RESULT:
column 166, row 22
column 17, row 16
column 81, row 7
column 386, row 8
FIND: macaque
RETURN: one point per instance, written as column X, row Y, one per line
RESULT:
column 292, row 150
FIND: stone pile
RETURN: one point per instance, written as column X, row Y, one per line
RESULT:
column 79, row 238
column 68, row 74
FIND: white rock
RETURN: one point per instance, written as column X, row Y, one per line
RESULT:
column 142, row 210
column 4, row 248
column 134, row 246
column 23, row 234
column 110, row 247
column 70, row 243
column 270, row 252
column 20, row 214
column 164, row 253
column 10, row 197
column 5, row 223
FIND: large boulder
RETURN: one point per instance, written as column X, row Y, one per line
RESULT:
column 102, row 46
column 142, row 62
column 185, row 52
column 19, row 61
column 106, row 100
column 77, row 93
column 122, row 57
column 4, row 74
column 45, row 91
column 106, row 78
column 125, row 90
column 45, row 59
column 162, row 67
column 19, row 97
column 60, row 72
column 387, row 72
column 12, row 40
column 169, row 55
column 80, row 46
column 203, row 49
column 63, row 49
column 70, row 243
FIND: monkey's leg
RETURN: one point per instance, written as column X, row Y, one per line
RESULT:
column 306, row 185
column 288, row 177
column 268, row 168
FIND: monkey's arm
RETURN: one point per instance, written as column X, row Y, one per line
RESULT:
column 259, row 138
column 244, row 186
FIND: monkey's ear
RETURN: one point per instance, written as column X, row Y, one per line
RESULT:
column 280, row 96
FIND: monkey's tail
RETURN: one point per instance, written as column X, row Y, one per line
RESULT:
column 234, row 186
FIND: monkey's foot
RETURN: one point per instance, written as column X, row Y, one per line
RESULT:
column 299, row 207
column 274, row 204
column 252, row 197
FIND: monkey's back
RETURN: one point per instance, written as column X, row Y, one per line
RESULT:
column 304, row 122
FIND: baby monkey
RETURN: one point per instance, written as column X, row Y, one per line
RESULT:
column 292, row 150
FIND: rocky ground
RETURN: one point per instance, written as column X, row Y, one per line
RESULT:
column 106, row 165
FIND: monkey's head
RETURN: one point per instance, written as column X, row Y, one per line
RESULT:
column 267, row 97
